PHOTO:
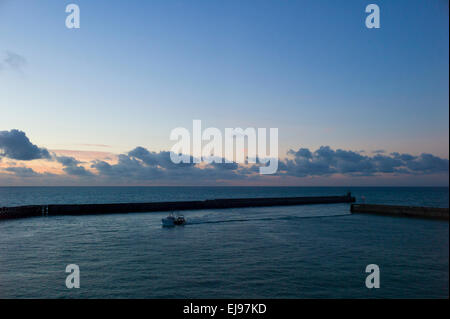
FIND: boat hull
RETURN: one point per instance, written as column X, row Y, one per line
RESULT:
column 167, row 222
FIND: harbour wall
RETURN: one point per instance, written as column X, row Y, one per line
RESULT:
column 402, row 211
column 121, row 208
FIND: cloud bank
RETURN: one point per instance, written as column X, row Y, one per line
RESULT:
column 141, row 166
column 326, row 161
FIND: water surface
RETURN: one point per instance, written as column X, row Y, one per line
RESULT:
column 316, row 251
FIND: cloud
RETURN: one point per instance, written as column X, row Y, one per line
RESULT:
column 141, row 166
column 95, row 145
column 15, row 144
column 326, row 161
column 71, row 166
column 85, row 156
column 128, row 168
column 161, row 159
column 423, row 164
column 12, row 61
column 22, row 171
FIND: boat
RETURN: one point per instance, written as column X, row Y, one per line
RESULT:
column 171, row 220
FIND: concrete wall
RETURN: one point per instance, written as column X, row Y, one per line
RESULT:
column 90, row 209
column 402, row 211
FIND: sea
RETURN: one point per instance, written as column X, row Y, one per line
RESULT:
column 309, row 251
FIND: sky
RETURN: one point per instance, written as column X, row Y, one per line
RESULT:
column 370, row 105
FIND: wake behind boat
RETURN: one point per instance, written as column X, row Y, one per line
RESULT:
column 171, row 220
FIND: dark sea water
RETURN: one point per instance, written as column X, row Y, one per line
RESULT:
column 315, row 251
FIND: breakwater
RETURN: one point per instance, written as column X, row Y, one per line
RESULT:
column 402, row 211
column 122, row 208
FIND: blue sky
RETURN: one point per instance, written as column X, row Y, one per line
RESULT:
column 137, row 69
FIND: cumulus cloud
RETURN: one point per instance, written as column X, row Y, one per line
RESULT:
column 423, row 164
column 143, row 166
column 127, row 167
column 20, row 171
column 160, row 159
column 326, row 161
column 15, row 144
column 71, row 166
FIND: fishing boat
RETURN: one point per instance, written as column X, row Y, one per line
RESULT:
column 172, row 220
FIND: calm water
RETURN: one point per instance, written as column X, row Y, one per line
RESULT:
column 317, row 251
